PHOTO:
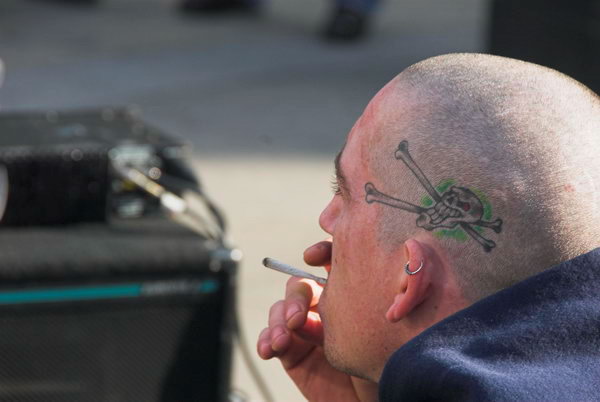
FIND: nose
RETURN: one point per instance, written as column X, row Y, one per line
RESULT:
column 329, row 215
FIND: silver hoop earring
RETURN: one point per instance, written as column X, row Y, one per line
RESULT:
column 409, row 272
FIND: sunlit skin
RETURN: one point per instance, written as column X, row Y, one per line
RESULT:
column 362, row 272
column 334, row 341
column 357, row 265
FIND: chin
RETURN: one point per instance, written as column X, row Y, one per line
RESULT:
column 337, row 360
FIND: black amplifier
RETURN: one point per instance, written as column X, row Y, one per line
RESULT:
column 107, row 308
column 134, row 311
column 55, row 167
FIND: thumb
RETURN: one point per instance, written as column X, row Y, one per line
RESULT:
column 319, row 254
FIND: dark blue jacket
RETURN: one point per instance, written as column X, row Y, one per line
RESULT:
column 537, row 340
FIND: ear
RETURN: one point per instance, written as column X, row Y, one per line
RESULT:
column 413, row 288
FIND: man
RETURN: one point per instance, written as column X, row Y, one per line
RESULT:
column 462, row 262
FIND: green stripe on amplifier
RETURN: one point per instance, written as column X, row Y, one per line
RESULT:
column 130, row 290
column 70, row 294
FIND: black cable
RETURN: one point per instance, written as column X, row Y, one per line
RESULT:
column 179, row 185
column 247, row 357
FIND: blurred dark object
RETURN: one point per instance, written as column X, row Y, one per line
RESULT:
column 561, row 34
column 346, row 24
column 217, row 6
column 138, row 310
column 73, row 2
column 58, row 165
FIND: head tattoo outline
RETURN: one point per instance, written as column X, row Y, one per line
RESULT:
column 457, row 206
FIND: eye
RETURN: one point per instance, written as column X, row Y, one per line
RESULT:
column 335, row 186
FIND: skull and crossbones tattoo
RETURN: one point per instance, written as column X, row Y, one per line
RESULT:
column 457, row 206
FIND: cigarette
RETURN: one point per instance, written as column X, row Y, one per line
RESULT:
column 288, row 269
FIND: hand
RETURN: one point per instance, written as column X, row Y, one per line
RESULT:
column 295, row 336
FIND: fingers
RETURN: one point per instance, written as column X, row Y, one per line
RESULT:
column 319, row 254
column 295, row 353
column 293, row 328
column 290, row 347
column 275, row 339
column 300, row 296
column 263, row 345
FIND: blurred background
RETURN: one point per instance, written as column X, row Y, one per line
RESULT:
column 265, row 97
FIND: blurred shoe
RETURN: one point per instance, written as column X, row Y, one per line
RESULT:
column 211, row 6
column 346, row 24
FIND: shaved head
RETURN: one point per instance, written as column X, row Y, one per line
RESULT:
column 520, row 141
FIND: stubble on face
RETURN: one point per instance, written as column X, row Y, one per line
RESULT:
column 350, row 318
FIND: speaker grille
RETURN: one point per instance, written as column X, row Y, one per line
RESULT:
column 142, row 349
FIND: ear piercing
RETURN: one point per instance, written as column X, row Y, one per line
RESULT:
column 409, row 272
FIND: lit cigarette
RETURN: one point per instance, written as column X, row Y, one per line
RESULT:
column 288, row 269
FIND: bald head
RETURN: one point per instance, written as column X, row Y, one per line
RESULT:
column 500, row 166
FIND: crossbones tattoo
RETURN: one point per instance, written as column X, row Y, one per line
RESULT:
column 457, row 206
